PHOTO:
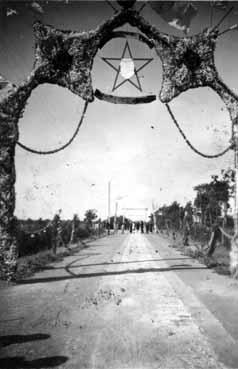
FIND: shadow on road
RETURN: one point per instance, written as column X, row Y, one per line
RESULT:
column 72, row 264
column 69, row 266
column 19, row 338
column 108, row 273
column 19, row 362
column 84, row 256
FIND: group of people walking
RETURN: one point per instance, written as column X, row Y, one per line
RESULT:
column 143, row 227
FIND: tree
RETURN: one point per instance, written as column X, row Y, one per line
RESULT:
column 90, row 216
column 188, row 213
column 228, row 176
column 210, row 197
column 169, row 216
column 202, row 200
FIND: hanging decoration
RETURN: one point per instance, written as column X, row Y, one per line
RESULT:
column 66, row 58
column 125, row 99
column 207, row 156
column 127, row 68
column 58, row 149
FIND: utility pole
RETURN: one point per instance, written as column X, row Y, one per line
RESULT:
column 109, row 205
column 154, row 216
column 115, row 217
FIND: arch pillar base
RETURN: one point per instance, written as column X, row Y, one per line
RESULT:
column 8, row 242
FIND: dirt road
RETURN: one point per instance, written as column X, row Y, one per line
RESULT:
column 127, row 301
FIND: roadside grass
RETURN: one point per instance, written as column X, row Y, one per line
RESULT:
column 219, row 261
column 28, row 265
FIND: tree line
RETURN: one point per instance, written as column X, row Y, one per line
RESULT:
column 209, row 209
column 38, row 235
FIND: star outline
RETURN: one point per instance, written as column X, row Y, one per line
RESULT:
column 136, row 70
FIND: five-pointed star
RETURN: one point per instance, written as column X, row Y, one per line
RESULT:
column 118, row 68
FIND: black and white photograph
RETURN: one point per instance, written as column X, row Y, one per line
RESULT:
column 118, row 184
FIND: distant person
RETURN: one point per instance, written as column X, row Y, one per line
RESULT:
column 108, row 228
column 147, row 227
column 142, row 227
column 131, row 227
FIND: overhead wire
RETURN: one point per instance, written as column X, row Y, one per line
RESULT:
column 112, row 6
column 223, row 18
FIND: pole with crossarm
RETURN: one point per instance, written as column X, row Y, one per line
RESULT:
column 154, row 217
column 115, row 218
column 134, row 209
column 109, row 205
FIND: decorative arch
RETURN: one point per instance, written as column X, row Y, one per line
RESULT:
column 65, row 58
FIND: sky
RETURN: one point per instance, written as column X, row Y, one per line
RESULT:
column 116, row 143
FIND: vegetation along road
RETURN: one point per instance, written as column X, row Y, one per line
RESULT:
column 125, row 301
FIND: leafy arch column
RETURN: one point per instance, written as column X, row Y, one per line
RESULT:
column 8, row 244
column 11, row 108
column 60, row 58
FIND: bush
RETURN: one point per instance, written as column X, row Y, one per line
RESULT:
column 31, row 243
column 200, row 232
column 82, row 232
column 66, row 231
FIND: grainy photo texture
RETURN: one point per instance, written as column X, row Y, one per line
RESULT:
column 118, row 184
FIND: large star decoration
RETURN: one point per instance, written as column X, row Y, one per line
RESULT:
column 137, row 84
column 66, row 58
column 187, row 63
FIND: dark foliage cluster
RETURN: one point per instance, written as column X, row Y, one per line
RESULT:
column 208, row 211
column 34, row 236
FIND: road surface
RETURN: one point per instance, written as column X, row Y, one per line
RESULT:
column 126, row 301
